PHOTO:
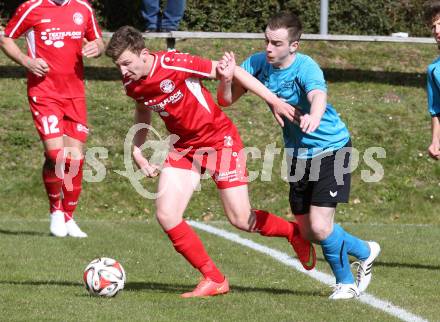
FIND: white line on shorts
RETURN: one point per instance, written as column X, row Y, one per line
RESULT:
column 382, row 305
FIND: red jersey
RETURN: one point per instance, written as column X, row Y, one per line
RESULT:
column 173, row 88
column 55, row 33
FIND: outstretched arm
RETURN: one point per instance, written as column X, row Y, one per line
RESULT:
column 228, row 91
column 245, row 80
column 36, row 66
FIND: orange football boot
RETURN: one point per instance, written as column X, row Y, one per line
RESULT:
column 208, row 287
column 305, row 251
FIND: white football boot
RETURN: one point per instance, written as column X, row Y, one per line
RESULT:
column 344, row 292
column 57, row 225
column 363, row 277
column 73, row 230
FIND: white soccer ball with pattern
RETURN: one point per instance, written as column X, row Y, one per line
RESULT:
column 104, row 277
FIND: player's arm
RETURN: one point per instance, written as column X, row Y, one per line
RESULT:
column 36, row 66
column 142, row 116
column 228, row 91
column 279, row 108
column 318, row 104
column 434, row 148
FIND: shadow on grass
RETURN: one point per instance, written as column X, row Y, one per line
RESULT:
column 170, row 288
column 180, row 288
column 23, row 232
column 331, row 74
column 406, row 265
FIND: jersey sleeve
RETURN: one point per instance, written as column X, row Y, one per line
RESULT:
column 433, row 89
column 311, row 76
column 194, row 66
column 254, row 64
column 92, row 29
column 22, row 20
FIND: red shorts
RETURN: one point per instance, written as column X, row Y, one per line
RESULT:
column 55, row 117
column 226, row 165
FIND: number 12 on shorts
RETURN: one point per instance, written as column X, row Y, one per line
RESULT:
column 50, row 124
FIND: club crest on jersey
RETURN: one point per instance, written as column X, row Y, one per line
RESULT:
column 78, row 18
column 167, row 86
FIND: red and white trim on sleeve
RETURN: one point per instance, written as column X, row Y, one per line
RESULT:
column 28, row 11
column 182, row 69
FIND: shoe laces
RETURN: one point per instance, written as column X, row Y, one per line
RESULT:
column 359, row 268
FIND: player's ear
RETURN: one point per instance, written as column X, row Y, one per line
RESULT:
column 144, row 54
column 293, row 47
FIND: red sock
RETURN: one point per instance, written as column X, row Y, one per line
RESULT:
column 270, row 225
column 52, row 183
column 187, row 243
column 72, row 186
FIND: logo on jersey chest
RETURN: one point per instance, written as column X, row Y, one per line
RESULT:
column 167, row 86
column 78, row 18
column 160, row 107
column 55, row 37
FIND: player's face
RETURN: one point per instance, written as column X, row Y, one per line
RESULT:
column 279, row 50
column 435, row 29
column 133, row 66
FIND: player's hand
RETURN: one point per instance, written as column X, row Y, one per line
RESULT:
column 150, row 170
column 37, row 66
column 226, row 66
column 283, row 109
column 434, row 151
column 309, row 123
column 90, row 49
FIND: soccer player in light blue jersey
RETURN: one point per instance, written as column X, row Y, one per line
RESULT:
column 318, row 147
column 432, row 15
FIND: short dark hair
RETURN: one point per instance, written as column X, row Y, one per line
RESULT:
column 289, row 21
column 125, row 38
column 431, row 11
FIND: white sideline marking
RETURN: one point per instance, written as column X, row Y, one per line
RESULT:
column 382, row 305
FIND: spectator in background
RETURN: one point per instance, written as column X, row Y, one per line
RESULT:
column 170, row 18
column 432, row 16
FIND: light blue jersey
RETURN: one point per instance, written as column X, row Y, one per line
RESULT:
column 292, row 84
column 433, row 87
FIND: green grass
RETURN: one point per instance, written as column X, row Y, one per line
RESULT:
column 42, row 276
column 379, row 91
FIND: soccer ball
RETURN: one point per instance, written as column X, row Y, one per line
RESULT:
column 104, row 277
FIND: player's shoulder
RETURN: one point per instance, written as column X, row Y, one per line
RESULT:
column 255, row 62
column 175, row 59
column 306, row 60
column 258, row 57
column 30, row 4
column 84, row 4
column 434, row 65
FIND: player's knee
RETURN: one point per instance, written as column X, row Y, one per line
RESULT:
column 240, row 220
column 52, row 157
column 166, row 218
column 319, row 231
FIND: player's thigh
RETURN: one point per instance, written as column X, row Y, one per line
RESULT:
column 237, row 206
column 175, row 189
column 75, row 119
column 47, row 114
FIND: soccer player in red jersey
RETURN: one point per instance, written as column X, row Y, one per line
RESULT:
column 169, row 84
column 58, row 34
